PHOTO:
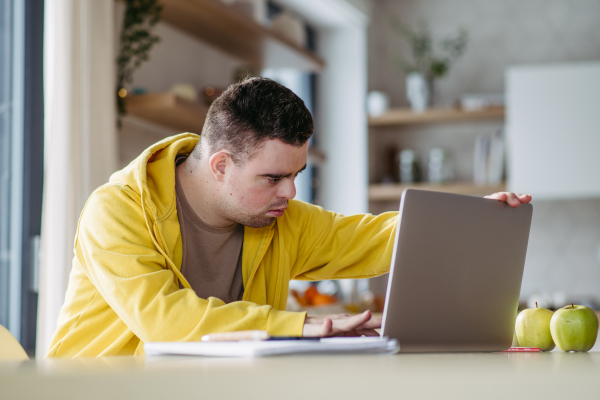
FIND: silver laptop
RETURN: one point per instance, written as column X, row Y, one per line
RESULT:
column 456, row 273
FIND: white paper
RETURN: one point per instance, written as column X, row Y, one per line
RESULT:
column 366, row 345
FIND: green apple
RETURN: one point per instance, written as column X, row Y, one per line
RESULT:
column 533, row 328
column 574, row 328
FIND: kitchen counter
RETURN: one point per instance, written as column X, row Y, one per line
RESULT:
column 554, row 375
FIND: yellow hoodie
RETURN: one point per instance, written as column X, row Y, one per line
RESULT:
column 124, row 285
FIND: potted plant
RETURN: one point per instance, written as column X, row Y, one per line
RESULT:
column 141, row 16
column 430, row 60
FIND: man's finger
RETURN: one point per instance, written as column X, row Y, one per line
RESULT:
column 512, row 199
column 318, row 329
column 325, row 329
column 497, row 196
column 338, row 316
column 348, row 324
column 373, row 323
column 524, row 198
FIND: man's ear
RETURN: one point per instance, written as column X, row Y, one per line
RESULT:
column 219, row 164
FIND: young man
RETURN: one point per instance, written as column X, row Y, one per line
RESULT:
column 201, row 235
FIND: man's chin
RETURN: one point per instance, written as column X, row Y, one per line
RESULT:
column 259, row 223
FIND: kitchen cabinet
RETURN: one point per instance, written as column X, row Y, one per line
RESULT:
column 553, row 130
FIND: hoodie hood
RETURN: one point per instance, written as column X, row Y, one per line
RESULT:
column 152, row 174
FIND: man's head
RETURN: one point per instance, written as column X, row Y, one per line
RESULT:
column 251, row 112
column 254, row 143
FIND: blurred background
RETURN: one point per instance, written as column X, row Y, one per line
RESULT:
column 460, row 96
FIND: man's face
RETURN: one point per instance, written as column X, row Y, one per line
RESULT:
column 257, row 192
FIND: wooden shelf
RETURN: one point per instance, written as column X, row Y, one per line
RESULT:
column 237, row 34
column 383, row 192
column 171, row 111
column 406, row 116
column 168, row 110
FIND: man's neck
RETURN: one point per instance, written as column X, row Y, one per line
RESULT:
column 201, row 193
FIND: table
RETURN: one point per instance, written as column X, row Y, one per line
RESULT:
column 553, row 375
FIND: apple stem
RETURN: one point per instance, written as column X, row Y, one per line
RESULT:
column 572, row 306
column 536, row 305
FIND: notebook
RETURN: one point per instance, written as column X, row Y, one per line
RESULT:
column 249, row 349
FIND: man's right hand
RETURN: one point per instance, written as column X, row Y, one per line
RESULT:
column 341, row 325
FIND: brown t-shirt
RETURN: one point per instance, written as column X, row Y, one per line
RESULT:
column 212, row 257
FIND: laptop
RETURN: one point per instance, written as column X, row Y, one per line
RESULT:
column 456, row 273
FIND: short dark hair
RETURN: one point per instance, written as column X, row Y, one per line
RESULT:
column 251, row 112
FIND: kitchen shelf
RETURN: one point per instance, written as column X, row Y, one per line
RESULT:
column 168, row 110
column 434, row 115
column 174, row 112
column 231, row 31
column 383, row 192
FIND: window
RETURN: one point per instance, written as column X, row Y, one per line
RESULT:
column 10, row 136
column 21, row 161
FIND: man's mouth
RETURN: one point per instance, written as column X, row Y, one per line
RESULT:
column 278, row 212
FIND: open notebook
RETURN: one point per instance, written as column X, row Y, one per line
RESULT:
column 364, row 345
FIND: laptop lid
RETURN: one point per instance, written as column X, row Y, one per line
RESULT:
column 456, row 272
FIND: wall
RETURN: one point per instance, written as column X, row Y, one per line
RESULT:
column 177, row 58
column 564, row 251
column 181, row 58
column 563, row 255
column 502, row 33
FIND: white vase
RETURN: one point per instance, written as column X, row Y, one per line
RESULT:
column 418, row 91
column 377, row 103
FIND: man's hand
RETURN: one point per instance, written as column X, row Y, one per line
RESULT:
column 341, row 325
column 513, row 199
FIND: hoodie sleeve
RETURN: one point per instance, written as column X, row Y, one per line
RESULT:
column 117, row 253
column 334, row 246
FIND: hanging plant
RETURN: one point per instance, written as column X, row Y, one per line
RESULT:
column 136, row 42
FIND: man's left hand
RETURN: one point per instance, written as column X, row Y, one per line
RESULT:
column 513, row 199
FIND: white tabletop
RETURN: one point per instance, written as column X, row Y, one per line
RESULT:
column 553, row 375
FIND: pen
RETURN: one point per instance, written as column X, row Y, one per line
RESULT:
column 255, row 335
column 522, row 349
column 235, row 336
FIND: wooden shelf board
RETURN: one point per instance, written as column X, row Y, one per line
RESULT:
column 407, row 116
column 237, row 34
column 383, row 192
column 169, row 110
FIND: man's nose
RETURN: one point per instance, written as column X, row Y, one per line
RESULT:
column 287, row 189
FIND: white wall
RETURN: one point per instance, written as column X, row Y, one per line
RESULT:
column 181, row 58
column 563, row 254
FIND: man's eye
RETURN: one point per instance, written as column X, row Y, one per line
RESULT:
column 273, row 181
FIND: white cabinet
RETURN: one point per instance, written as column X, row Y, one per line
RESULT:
column 553, row 126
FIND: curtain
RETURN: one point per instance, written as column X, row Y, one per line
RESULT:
column 80, row 136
